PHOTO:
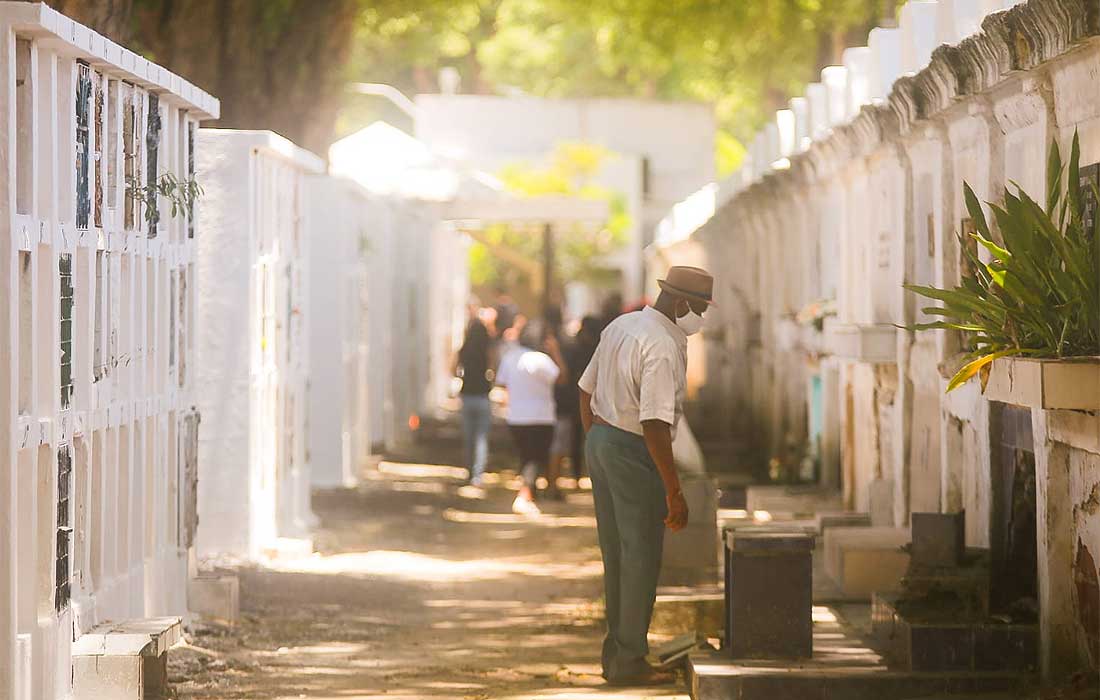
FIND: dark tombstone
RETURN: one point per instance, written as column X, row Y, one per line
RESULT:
column 938, row 539
column 769, row 595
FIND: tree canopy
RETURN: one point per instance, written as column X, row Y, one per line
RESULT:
column 746, row 57
column 284, row 64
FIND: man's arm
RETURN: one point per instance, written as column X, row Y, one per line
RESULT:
column 658, row 440
column 586, row 410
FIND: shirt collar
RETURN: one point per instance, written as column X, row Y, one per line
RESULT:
column 675, row 331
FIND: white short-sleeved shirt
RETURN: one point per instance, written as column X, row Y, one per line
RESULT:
column 639, row 371
column 529, row 376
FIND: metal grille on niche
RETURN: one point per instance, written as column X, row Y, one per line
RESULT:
column 191, row 177
column 65, row 274
column 152, row 146
column 130, row 156
column 62, row 566
column 83, row 100
column 97, row 158
column 1089, row 176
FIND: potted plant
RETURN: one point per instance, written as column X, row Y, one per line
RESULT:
column 1031, row 315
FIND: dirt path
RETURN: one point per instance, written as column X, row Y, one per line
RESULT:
column 419, row 590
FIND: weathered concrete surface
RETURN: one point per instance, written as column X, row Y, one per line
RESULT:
column 215, row 597
column 862, row 561
column 417, row 591
column 842, row 668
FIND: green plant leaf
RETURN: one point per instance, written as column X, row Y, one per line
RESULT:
column 970, row 369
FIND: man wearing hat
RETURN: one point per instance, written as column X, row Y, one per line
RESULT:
column 631, row 402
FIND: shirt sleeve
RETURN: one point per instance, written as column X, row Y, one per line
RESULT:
column 542, row 367
column 658, row 392
column 587, row 382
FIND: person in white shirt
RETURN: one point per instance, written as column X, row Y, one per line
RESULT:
column 631, row 399
column 529, row 375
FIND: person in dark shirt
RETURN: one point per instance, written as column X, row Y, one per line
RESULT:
column 506, row 310
column 567, row 429
column 475, row 365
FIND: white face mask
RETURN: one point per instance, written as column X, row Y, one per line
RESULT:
column 690, row 324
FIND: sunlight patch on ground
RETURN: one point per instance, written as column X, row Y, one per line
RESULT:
column 418, row 486
column 415, row 566
column 601, row 692
column 820, row 613
column 473, row 604
column 422, row 471
column 545, row 519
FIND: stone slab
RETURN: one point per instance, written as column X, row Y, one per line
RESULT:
column 791, row 499
column 1049, row 384
column 689, row 613
column 108, row 677
column 769, row 594
column 825, row 521
column 950, row 645
column 866, row 560
column 140, row 637
column 833, row 676
column 691, row 556
column 938, row 539
column 881, row 498
column 777, row 543
column 215, row 597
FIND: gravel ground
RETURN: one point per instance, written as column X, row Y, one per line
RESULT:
column 418, row 588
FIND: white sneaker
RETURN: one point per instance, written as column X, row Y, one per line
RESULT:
column 521, row 506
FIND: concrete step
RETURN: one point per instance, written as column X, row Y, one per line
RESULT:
column 124, row 660
column 792, row 500
column 843, row 667
column 680, row 611
column 866, row 560
column 948, row 644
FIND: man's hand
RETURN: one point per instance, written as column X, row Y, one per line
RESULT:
column 677, row 511
column 658, row 440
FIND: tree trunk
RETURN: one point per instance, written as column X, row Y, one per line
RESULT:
column 110, row 18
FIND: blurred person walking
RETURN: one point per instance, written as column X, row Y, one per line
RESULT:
column 529, row 370
column 631, row 400
column 475, row 365
column 567, row 443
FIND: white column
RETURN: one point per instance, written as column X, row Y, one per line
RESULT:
column 835, row 80
column 885, row 45
column 857, row 61
column 918, row 31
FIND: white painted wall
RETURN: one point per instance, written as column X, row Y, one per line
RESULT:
column 881, row 195
column 130, row 412
column 253, row 316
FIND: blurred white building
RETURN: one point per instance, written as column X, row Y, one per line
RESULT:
column 664, row 150
column 253, row 338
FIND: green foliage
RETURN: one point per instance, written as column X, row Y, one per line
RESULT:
column 747, row 57
column 1040, row 293
column 572, row 171
column 181, row 194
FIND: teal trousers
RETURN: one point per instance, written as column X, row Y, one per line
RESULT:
column 630, row 514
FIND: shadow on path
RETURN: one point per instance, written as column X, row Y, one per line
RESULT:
column 419, row 588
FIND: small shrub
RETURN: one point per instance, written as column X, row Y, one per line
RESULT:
column 1040, row 293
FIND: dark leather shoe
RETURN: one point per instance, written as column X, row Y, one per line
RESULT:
column 649, row 677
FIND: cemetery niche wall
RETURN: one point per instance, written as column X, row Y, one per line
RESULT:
column 97, row 396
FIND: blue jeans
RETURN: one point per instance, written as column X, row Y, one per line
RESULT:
column 630, row 518
column 476, row 417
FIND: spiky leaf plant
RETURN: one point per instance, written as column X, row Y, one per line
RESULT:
column 1040, row 293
